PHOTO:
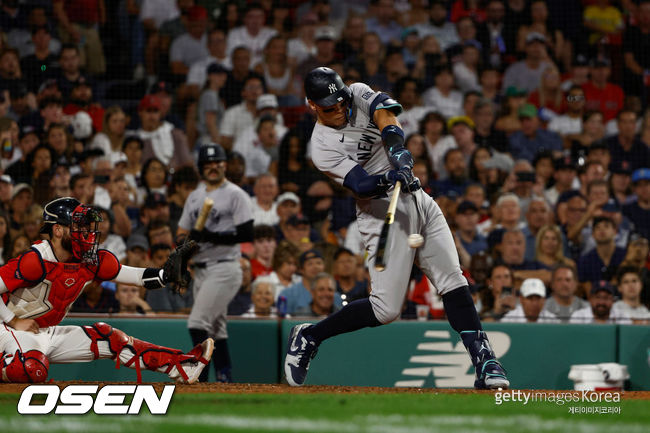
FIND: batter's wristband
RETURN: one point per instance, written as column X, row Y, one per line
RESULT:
column 393, row 137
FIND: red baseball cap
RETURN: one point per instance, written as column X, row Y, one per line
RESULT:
column 148, row 102
column 196, row 13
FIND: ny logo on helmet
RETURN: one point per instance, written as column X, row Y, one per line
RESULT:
column 332, row 88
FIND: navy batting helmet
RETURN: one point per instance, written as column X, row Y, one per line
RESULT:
column 209, row 153
column 58, row 211
column 324, row 87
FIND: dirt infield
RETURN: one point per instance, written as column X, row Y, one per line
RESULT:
column 254, row 388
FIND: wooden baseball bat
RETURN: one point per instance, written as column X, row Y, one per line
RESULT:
column 380, row 261
column 203, row 215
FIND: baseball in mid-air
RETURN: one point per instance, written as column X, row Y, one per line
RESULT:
column 415, row 240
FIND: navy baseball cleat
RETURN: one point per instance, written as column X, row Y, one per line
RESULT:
column 300, row 351
column 490, row 374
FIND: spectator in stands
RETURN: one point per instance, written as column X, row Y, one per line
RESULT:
column 264, row 245
column 626, row 145
column 549, row 248
column 527, row 73
column 165, row 92
column 600, row 310
column 605, row 22
column 210, row 110
column 132, row 148
column 32, row 222
column 542, row 24
column 242, row 300
column 569, row 124
column 507, row 212
column 485, row 134
column 166, row 299
column 468, row 240
column 155, row 208
column 620, row 182
column 442, row 97
column 6, row 190
column 345, row 273
column 323, row 297
column 549, row 98
column 231, row 92
column 277, row 71
column 490, row 34
column 40, row 65
column 299, row 295
column 382, row 22
column 438, row 26
column 407, row 91
column 235, row 171
column 198, row 75
column 537, row 215
column 5, row 238
column 253, row 34
column 532, row 139
column 325, row 37
column 263, row 202
column 498, row 299
column 630, row 286
column 154, row 179
column 563, row 302
column 137, row 248
column 285, row 265
column 456, row 167
column 636, row 59
column 462, row 129
column 131, row 300
column 11, row 75
column 262, row 299
column 532, row 297
column 184, row 181
column 20, row 243
column 508, row 120
column 513, row 256
column 109, row 240
column 601, row 262
column 81, row 99
column 191, row 46
column 80, row 25
column 159, row 232
column 600, row 94
column 241, row 116
column 70, row 69
column 430, row 59
column 294, row 174
column 112, row 134
column 639, row 211
column 161, row 139
column 96, row 298
column 303, row 44
column 434, row 130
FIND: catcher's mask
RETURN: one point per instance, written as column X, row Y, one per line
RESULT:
column 84, row 233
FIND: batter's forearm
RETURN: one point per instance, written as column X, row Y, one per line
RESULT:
column 365, row 186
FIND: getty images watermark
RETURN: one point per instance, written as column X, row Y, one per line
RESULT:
column 596, row 400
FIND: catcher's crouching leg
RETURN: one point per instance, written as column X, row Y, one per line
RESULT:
column 25, row 367
column 138, row 354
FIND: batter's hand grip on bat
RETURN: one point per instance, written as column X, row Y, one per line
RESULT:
column 380, row 261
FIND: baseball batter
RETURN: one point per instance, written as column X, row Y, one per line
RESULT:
column 217, row 273
column 39, row 287
column 358, row 142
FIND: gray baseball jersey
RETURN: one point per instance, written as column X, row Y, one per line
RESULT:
column 336, row 151
column 232, row 207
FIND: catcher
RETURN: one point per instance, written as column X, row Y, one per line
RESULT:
column 39, row 286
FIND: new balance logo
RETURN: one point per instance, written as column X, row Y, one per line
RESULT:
column 332, row 88
column 447, row 364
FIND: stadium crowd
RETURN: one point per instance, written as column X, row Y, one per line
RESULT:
column 528, row 120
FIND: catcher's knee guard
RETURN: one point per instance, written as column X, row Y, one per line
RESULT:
column 27, row 367
column 152, row 356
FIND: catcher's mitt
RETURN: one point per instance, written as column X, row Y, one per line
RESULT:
column 175, row 268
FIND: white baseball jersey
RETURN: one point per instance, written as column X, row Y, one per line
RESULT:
column 337, row 151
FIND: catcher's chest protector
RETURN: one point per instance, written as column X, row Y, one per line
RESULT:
column 43, row 289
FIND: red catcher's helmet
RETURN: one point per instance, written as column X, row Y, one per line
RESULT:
column 84, row 232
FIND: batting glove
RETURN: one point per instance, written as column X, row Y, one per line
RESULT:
column 401, row 159
column 409, row 182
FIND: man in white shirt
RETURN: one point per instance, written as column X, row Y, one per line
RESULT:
column 600, row 310
column 191, row 46
column 569, row 125
column 253, row 34
column 441, row 97
column 438, row 26
column 532, row 296
column 264, row 205
column 240, row 117
column 197, row 76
